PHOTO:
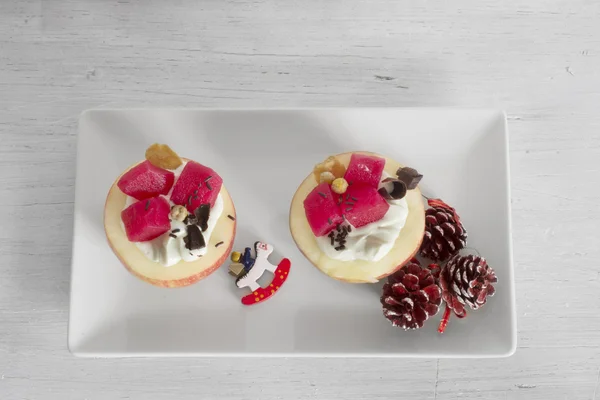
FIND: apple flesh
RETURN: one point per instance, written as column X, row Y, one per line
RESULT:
column 359, row 271
column 182, row 273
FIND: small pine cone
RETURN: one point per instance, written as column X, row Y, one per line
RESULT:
column 411, row 296
column 466, row 280
column 444, row 233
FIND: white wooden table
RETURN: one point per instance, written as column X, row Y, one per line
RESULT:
column 538, row 59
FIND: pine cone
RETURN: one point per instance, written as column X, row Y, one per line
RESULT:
column 444, row 233
column 411, row 296
column 466, row 280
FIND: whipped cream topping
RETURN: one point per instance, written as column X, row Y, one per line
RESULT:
column 373, row 241
column 168, row 250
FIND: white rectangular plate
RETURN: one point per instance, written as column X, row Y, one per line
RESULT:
column 263, row 155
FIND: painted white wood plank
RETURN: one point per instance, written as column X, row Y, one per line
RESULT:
column 536, row 59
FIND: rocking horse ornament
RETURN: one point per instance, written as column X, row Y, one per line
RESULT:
column 248, row 271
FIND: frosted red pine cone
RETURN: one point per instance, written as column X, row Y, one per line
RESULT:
column 411, row 296
column 444, row 234
column 465, row 281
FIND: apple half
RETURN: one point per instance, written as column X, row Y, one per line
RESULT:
column 359, row 271
column 183, row 273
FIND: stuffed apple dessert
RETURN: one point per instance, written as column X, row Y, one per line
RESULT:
column 358, row 217
column 169, row 220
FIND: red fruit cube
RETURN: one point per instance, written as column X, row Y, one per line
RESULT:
column 145, row 181
column 365, row 169
column 146, row 219
column 322, row 210
column 196, row 185
column 364, row 205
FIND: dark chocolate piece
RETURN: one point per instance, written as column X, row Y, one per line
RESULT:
column 202, row 213
column 397, row 192
column 409, row 176
column 190, row 219
column 194, row 239
column 231, row 217
column 218, row 244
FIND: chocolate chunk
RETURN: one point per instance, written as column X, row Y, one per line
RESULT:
column 397, row 191
column 409, row 176
column 194, row 239
column 190, row 219
column 202, row 213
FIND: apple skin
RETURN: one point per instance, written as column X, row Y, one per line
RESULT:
column 122, row 248
column 300, row 229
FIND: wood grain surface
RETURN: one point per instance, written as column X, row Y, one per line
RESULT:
column 537, row 59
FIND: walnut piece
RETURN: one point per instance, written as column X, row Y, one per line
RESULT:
column 178, row 213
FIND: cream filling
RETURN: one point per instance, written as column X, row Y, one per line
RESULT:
column 167, row 250
column 373, row 241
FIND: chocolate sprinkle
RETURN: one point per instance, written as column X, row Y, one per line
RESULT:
column 208, row 186
column 329, row 221
column 349, row 228
column 194, row 239
column 147, row 205
column 175, row 230
column 353, row 198
column 323, row 195
column 173, row 236
column 348, row 208
column 202, row 214
column 231, row 218
column 218, row 244
column 208, row 178
column 350, row 203
column 190, row 201
column 340, row 248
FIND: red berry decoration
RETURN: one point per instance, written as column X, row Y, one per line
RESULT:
column 444, row 233
column 465, row 280
column 411, row 296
